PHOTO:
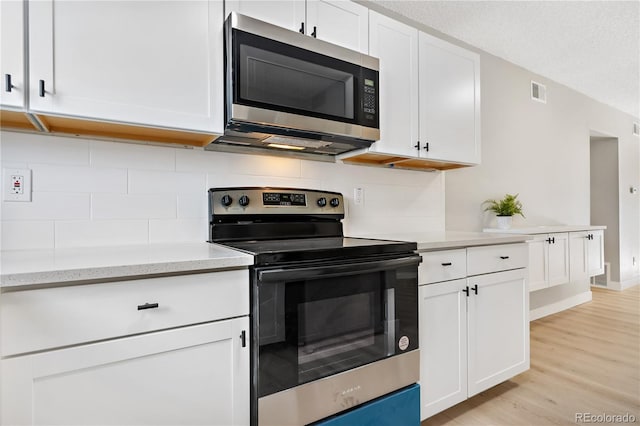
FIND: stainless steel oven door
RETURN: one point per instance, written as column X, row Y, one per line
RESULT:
column 329, row 332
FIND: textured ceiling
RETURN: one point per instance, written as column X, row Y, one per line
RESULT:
column 590, row 46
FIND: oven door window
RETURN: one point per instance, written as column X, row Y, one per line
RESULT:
column 277, row 76
column 314, row 328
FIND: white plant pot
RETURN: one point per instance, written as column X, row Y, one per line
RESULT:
column 504, row 222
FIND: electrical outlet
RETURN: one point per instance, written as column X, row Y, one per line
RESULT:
column 358, row 196
column 16, row 185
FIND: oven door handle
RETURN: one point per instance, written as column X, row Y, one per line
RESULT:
column 276, row 275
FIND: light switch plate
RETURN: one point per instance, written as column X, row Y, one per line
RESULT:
column 16, row 185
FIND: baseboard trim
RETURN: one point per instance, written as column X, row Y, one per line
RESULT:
column 619, row 286
column 559, row 306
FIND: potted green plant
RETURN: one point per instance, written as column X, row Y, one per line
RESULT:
column 505, row 209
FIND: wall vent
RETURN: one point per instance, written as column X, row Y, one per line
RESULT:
column 636, row 129
column 538, row 92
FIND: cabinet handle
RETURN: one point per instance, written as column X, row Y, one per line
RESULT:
column 147, row 306
column 553, row 240
column 504, row 257
column 41, row 89
column 7, row 83
column 446, row 264
column 243, row 338
column 301, row 30
column 417, row 146
column 466, row 290
column 314, row 34
column 475, row 289
column 426, row 146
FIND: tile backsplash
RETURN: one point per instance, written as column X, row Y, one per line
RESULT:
column 96, row 193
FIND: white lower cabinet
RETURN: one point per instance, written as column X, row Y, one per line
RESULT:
column 190, row 376
column 443, row 346
column 474, row 332
column 157, row 351
column 548, row 260
column 498, row 328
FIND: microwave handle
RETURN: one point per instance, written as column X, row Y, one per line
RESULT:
column 278, row 275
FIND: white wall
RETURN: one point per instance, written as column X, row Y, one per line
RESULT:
column 93, row 193
column 542, row 152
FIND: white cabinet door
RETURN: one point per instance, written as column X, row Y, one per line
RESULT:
column 339, row 22
column 558, row 264
column 578, row 258
column 538, row 262
column 12, row 50
column 187, row 376
column 396, row 45
column 288, row 14
column 449, row 101
column 595, row 251
column 443, row 346
column 498, row 328
column 156, row 63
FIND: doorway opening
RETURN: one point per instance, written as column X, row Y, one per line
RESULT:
column 605, row 202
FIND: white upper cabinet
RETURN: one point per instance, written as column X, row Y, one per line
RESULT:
column 396, row 45
column 288, row 14
column 449, row 101
column 429, row 99
column 339, row 22
column 155, row 63
column 12, row 92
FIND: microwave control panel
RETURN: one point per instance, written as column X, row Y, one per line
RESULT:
column 369, row 98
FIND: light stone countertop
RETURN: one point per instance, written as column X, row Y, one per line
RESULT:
column 547, row 229
column 58, row 266
column 443, row 240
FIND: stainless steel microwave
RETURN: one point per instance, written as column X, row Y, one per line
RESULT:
column 288, row 91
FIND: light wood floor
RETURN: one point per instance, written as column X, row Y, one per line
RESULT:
column 583, row 360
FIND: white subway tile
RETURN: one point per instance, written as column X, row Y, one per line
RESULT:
column 55, row 178
column 341, row 172
column 240, row 164
column 129, row 155
column 19, row 235
column 133, row 206
column 93, row 233
column 158, row 182
column 193, row 206
column 199, row 160
column 39, row 148
column 375, row 225
column 225, row 180
column 178, row 230
column 49, row 206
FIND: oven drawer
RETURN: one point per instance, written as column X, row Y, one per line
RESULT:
column 442, row 265
column 33, row 320
column 502, row 257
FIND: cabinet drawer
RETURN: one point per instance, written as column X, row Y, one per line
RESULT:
column 443, row 265
column 32, row 320
column 487, row 259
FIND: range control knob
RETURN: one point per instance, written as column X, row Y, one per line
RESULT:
column 226, row 200
column 244, row 201
column 322, row 202
column 334, row 202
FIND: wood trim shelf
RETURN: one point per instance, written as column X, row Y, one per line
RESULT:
column 397, row 162
column 81, row 127
column 16, row 120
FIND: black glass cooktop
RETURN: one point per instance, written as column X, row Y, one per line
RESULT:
column 269, row 252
